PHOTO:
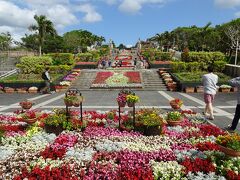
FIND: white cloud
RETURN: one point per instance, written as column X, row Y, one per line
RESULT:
column 130, row 6
column 91, row 14
column 227, row 3
column 12, row 15
column 16, row 16
column 61, row 16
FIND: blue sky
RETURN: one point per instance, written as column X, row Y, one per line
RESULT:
column 125, row 21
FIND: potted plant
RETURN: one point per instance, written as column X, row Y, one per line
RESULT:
column 22, row 90
column 225, row 88
column 229, row 144
column 29, row 117
column 53, row 123
column 122, row 99
column 132, row 99
column 26, row 104
column 189, row 89
column 199, row 89
column 176, row 103
column 151, row 120
column 174, row 118
column 9, row 90
column 73, row 100
column 33, row 89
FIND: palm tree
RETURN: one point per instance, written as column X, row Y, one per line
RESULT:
column 43, row 27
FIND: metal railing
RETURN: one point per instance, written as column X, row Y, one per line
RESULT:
column 9, row 73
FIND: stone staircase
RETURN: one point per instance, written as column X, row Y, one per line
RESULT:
column 152, row 80
column 85, row 79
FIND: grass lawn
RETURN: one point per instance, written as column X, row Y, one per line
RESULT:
column 28, row 78
column 197, row 77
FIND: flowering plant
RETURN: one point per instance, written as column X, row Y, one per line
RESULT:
column 176, row 102
column 26, row 104
column 231, row 141
column 174, row 116
column 132, row 98
column 150, row 117
column 65, row 83
column 122, row 98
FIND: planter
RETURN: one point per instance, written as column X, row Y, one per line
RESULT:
column 175, row 106
column 9, row 90
column 174, row 123
column 199, row 89
column 68, row 103
column 152, row 130
column 225, row 90
column 229, row 152
column 189, row 89
column 32, row 91
column 26, row 106
column 53, row 129
column 234, row 89
column 30, row 121
column 121, row 104
column 130, row 104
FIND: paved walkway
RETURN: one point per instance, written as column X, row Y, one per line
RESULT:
column 224, row 106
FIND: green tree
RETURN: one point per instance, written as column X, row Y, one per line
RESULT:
column 79, row 40
column 43, row 27
column 5, row 41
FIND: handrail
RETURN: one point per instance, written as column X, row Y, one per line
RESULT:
column 9, row 73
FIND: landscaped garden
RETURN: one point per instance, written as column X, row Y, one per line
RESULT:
column 97, row 149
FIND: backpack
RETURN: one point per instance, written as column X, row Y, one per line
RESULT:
column 44, row 77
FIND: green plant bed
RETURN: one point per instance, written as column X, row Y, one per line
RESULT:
column 28, row 78
column 196, row 77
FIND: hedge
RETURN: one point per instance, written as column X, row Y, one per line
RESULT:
column 156, row 55
column 29, row 64
column 206, row 57
column 85, row 57
column 62, row 58
column 218, row 66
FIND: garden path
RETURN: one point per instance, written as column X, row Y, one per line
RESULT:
column 224, row 105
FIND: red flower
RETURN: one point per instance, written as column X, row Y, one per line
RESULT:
column 207, row 146
column 198, row 165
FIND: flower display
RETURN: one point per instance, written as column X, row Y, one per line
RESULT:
column 117, row 79
column 102, row 151
column 132, row 98
column 231, row 141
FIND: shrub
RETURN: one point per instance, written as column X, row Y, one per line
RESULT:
column 30, row 64
column 219, row 66
column 62, row 58
column 192, row 66
column 185, row 55
column 163, row 56
column 206, row 57
column 84, row 57
column 178, row 66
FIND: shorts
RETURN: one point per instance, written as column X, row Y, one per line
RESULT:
column 208, row 98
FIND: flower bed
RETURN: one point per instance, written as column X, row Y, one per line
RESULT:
column 101, row 151
column 114, row 79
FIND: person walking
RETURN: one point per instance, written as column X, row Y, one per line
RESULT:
column 209, row 82
column 235, row 82
column 47, row 80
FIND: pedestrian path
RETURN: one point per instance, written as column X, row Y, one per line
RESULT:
column 106, row 100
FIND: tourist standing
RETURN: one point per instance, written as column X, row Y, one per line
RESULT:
column 47, row 80
column 209, row 81
column 135, row 63
column 235, row 82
